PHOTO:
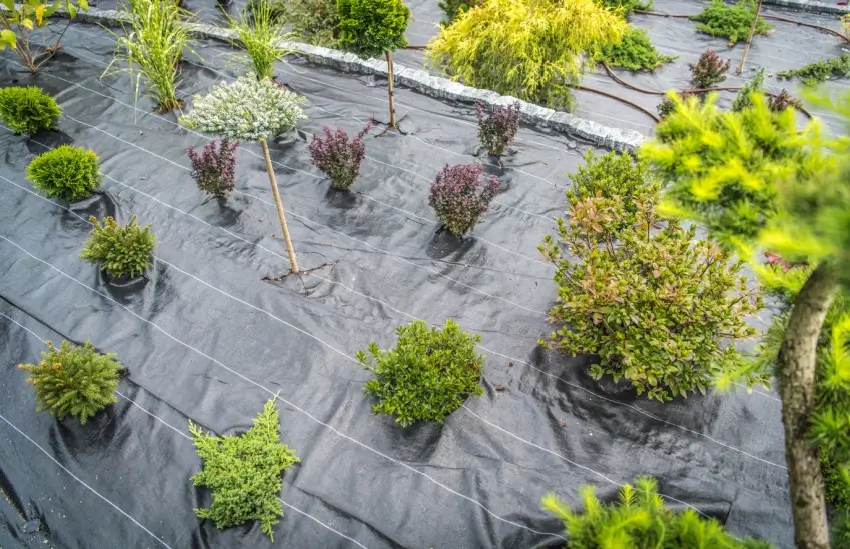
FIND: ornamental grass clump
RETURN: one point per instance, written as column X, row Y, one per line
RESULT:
column 67, row 172
column 249, row 109
column 427, row 375
column 732, row 22
column 498, row 129
column 259, row 34
column 709, row 70
column 28, row 109
column 639, row 519
column 459, row 197
column 629, row 283
column 244, row 472
column 634, row 52
column 530, row 49
column 151, row 49
column 338, row 157
column 214, row 168
column 120, row 251
column 75, row 381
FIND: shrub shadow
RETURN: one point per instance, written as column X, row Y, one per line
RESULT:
column 443, row 244
column 341, row 198
column 39, row 143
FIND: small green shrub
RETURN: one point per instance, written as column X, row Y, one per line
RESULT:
column 368, row 28
column 120, row 251
column 259, row 35
column 312, row 21
column 427, row 375
column 730, row 21
column 743, row 99
column 629, row 284
column 244, row 472
column 635, row 52
column 821, row 71
column 66, row 172
column 453, row 8
column 639, row 519
column 629, row 6
column 75, row 381
column 28, row 110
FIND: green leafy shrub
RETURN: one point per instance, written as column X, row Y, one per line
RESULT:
column 312, row 21
column 742, row 98
column 639, row 519
column 821, row 71
column 709, row 70
column 730, row 21
column 634, row 52
column 629, row 284
column 67, row 172
column 427, row 375
column 120, row 251
column 75, row 381
column 453, row 8
column 28, row 109
column 244, row 472
column 629, row 6
column 259, row 34
column 530, row 49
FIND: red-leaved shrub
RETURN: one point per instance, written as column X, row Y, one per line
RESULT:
column 498, row 129
column 338, row 157
column 214, row 168
column 459, row 197
column 709, row 70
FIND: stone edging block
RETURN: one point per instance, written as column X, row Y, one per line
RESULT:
column 816, row 6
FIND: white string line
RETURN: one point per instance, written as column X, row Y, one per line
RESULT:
column 287, row 402
column 652, row 416
column 78, row 479
column 184, row 435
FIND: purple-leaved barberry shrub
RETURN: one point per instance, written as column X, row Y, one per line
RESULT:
column 338, row 157
column 459, row 197
column 498, row 129
column 214, row 168
column 709, row 70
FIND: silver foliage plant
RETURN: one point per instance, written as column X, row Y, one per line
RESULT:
column 246, row 109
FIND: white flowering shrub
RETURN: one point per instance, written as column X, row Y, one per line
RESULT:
column 246, row 110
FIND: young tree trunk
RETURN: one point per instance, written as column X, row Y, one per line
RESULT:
column 279, row 205
column 750, row 37
column 797, row 375
column 391, row 77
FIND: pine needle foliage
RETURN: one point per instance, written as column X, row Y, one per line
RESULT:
column 120, row 251
column 639, row 519
column 28, row 109
column 74, row 381
column 628, row 283
column 732, row 22
column 151, row 49
column 259, row 35
column 530, row 49
column 66, row 172
column 427, row 375
column 821, row 71
column 634, row 52
column 742, row 98
column 244, row 472
column 368, row 28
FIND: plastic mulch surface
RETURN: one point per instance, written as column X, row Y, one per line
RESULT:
column 206, row 338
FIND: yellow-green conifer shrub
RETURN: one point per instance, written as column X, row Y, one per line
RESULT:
column 531, row 49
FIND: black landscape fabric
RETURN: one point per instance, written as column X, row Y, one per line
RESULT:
column 213, row 333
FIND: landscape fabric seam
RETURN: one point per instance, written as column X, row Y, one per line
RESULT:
column 652, row 416
column 184, row 435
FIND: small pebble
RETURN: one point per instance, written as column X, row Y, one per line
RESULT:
column 499, row 387
column 510, row 364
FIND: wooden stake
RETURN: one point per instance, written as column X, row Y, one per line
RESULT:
column 279, row 204
column 750, row 37
column 391, row 76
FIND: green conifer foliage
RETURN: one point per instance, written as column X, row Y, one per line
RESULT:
column 120, row 251
column 730, row 21
column 28, row 109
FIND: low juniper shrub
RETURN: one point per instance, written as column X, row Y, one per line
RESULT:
column 498, row 129
column 214, row 168
column 120, row 251
column 732, row 22
column 338, row 157
column 427, row 375
column 634, row 52
column 244, row 472
column 743, row 99
column 459, row 197
column 819, row 72
column 709, row 70
column 66, row 172
column 28, row 109
column 75, row 381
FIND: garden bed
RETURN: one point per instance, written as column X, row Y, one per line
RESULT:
column 207, row 339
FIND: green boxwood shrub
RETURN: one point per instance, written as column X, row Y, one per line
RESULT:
column 75, row 381
column 244, row 472
column 732, row 22
column 66, row 172
column 120, row 251
column 427, row 375
column 634, row 52
column 28, row 110
column 639, row 519
column 630, row 283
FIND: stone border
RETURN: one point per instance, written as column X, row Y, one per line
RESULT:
column 814, row 6
column 423, row 82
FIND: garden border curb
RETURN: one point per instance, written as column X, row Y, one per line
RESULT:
column 813, row 6
column 421, row 81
